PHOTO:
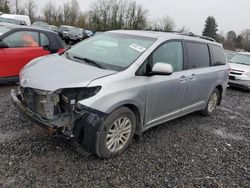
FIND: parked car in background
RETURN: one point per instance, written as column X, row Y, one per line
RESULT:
column 39, row 23
column 49, row 27
column 21, row 19
column 19, row 45
column 240, row 70
column 230, row 54
column 12, row 21
column 105, row 89
column 89, row 33
column 3, row 29
column 75, row 35
column 63, row 31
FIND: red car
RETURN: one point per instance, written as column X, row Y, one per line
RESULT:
column 19, row 45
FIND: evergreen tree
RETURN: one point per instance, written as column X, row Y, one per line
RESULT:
column 4, row 6
column 239, row 40
column 210, row 28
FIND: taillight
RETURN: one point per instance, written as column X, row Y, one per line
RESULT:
column 61, row 50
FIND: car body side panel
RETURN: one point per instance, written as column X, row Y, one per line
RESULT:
column 165, row 95
column 14, row 59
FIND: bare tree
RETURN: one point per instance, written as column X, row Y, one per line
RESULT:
column 66, row 13
column 71, row 12
column 17, row 6
column 30, row 9
column 74, row 12
column 117, row 14
column 83, row 20
column 49, row 13
column 166, row 24
column 183, row 29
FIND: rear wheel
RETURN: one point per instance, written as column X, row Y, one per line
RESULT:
column 212, row 103
column 116, row 134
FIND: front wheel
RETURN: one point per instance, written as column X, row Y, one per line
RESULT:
column 116, row 134
column 212, row 103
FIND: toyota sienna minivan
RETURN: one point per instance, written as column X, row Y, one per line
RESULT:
column 106, row 89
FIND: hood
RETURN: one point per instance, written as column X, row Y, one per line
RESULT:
column 240, row 67
column 55, row 72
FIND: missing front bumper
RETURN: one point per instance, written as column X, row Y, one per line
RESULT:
column 87, row 124
column 27, row 113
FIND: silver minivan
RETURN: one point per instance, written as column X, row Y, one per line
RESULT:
column 106, row 89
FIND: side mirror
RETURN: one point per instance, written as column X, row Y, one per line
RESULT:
column 162, row 69
column 3, row 45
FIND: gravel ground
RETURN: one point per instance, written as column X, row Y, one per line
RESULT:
column 193, row 151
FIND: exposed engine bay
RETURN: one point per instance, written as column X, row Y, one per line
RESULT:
column 59, row 108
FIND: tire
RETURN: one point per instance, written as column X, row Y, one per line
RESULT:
column 110, row 133
column 213, row 101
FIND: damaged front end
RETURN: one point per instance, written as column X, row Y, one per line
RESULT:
column 60, row 113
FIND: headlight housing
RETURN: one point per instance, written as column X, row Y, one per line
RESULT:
column 72, row 95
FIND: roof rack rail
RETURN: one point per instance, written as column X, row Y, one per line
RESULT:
column 198, row 36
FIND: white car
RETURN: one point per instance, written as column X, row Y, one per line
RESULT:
column 240, row 71
column 20, row 19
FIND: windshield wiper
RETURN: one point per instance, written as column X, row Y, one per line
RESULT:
column 89, row 61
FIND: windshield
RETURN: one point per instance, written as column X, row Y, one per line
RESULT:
column 40, row 23
column 241, row 59
column 111, row 50
column 64, row 28
column 76, row 31
column 3, row 30
column 229, row 55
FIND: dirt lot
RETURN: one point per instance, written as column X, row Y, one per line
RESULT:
column 193, row 151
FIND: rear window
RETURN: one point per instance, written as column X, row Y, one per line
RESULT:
column 218, row 55
column 198, row 55
column 44, row 40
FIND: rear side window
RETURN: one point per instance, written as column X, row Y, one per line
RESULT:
column 44, row 40
column 22, row 39
column 198, row 55
column 218, row 55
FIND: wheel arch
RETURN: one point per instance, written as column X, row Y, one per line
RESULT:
column 220, row 89
column 136, row 110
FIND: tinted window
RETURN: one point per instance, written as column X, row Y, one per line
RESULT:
column 198, row 55
column 218, row 55
column 171, row 53
column 44, row 40
column 22, row 39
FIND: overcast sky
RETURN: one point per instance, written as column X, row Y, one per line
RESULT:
column 229, row 14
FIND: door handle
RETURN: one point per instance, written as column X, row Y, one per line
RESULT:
column 193, row 77
column 183, row 79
